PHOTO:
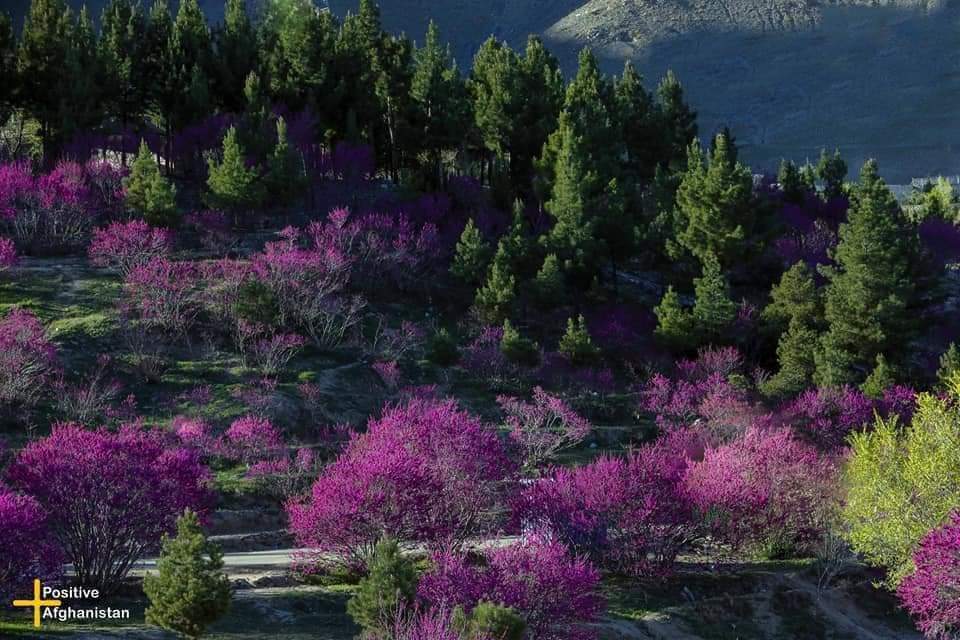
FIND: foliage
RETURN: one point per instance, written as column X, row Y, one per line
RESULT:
column 488, row 620
column 26, row 551
column 162, row 293
column 930, row 592
column 28, row 360
column 189, row 590
column 542, row 428
column 902, row 483
column 766, row 491
column 233, row 185
column 497, row 295
column 715, row 200
column 630, row 515
column 518, row 349
column 828, row 415
column 127, row 245
column 713, row 310
column 871, row 302
column 577, row 345
column 131, row 483
column 554, row 592
column 472, row 255
column 674, row 323
column 389, row 588
column 253, row 438
column 425, row 471
column 442, row 349
column 148, row 193
column 949, row 365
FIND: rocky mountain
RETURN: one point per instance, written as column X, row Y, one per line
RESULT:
column 876, row 78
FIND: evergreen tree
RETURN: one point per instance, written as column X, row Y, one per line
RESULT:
column 190, row 590
column 233, row 186
column 361, row 50
column 795, row 313
column 518, row 349
column 8, row 67
column 388, row 589
column 495, row 86
column 237, row 55
column 713, row 310
column 679, row 121
column 949, row 366
column 576, row 343
column 83, row 108
column 832, row 171
column 488, row 621
column 795, row 297
column 875, row 291
column 285, row 178
column 441, row 106
column 573, row 236
column 472, row 255
column 298, row 53
column 791, row 183
column 674, row 323
column 123, row 58
column 880, row 379
column 43, row 71
column 148, row 192
column 716, row 204
column 542, row 89
column 548, row 284
column 519, row 246
column 639, row 126
column 393, row 90
column 163, row 91
column 496, row 296
column 442, row 349
column 795, row 355
column 191, row 65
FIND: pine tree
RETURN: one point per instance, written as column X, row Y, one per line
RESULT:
column 123, row 58
column 190, row 590
column 361, row 52
column 542, row 88
column 576, row 343
column 441, row 105
column 875, row 291
column 548, row 285
column 472, row 255
column 495, row 86
column 233, row 186
column 285, row 178
column 8, row 67
column 832, row 171
column 795, row 355
column 573, row 236
column 679, row 121
column 639, row 125
column 791, row 183
column 795, row 313
column 520, row 247
column 236, row 48
column 163, row 89
column 880, row 379
column 713, row 310
column 488, row 621
column 716, row 203
column 949, row 366
column 83, row 107
column 518, row 349
column 674, row 323
column 388, row 589
column 795, row 297
column 148, row 192
column 495, row 298
column 42, row 68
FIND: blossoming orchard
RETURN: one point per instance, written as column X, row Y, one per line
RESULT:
column 309, row 330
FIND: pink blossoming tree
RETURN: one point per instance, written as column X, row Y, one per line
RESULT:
column 109, row 496
column 932, row 592
column 425, row 471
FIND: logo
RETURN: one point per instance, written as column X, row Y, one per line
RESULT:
column 36, row 603
column 47, row 604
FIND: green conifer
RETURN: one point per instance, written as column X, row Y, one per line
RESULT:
column 713, row 310
column 518, row 349
column 488, row 621
column 496, row 296
column 148, row 192
column 576, row 343
column 387, row 590
column 674, row 323
column 472, row 257
column 189, row 591
column 233, row 186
